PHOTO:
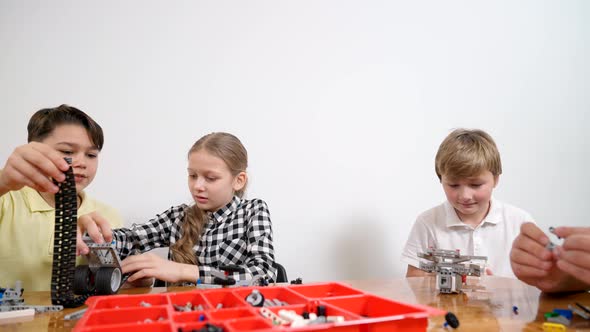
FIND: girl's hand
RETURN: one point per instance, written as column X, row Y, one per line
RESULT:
column 573, row 256
column 151, row 265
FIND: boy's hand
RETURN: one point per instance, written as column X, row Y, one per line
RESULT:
column 97, row 227
column 33, row 165
column 573, row 256
column 151, row 265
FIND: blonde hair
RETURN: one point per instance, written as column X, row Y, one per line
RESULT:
column 228, row 148
column 467, row 152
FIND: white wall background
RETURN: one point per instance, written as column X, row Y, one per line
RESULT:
column 341, row 105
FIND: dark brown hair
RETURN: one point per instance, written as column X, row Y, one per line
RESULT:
column 44, row 121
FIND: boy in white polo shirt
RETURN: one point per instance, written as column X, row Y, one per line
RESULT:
column 468, row 165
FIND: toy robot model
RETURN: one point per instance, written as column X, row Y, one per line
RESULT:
column 450, row 268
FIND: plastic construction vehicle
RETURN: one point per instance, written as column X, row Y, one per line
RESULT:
column 102, row 275
column 451, row 268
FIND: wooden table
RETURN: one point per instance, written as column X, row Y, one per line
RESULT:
column 486, row 306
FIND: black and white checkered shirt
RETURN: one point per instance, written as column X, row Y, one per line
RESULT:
column 239, row 233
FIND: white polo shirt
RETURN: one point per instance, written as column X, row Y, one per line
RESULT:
column 441, row 228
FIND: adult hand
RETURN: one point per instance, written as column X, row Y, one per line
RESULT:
column 536, row 265
column 532, row 262
column 573, row 256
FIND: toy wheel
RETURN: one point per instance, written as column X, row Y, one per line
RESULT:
column 83, row 280
column 108, row 280
column 452, row 320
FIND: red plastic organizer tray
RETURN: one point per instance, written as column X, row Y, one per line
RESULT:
column 228, row 309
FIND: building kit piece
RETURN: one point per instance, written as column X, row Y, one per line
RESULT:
column 579, row 312
column 64, row 244
column 553, row 327
column 11, row 299
column 551, row 246
column 450, row 267
column 451, row 320
column 554, row 317
column 17, row 314
column 223, row 279
column 102, row 275
column 256, row 299
column 75, row 315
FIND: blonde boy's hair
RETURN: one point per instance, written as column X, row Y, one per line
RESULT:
column 467, row 152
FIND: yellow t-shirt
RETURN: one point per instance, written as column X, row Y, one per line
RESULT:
column 26, row 236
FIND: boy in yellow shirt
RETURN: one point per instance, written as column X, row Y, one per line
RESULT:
column 27, row 205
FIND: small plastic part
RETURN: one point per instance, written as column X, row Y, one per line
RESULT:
column 335, row 319
column 553, row 327
column 452, row 320
column 321, row 311
column 552, row 231
column 75, row 315
column 583, row 307
column 297, row 281
column 276, row 320
column 289, row 315
column 579, row 312
column 231, row 268
column 255, row 298
column 565, row 313
column 554, row 317
column 17, row 313
column 224, row 282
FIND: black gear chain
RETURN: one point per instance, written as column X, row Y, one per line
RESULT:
column 64, row 243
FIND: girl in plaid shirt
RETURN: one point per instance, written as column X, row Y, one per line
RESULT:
column 221, row 228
